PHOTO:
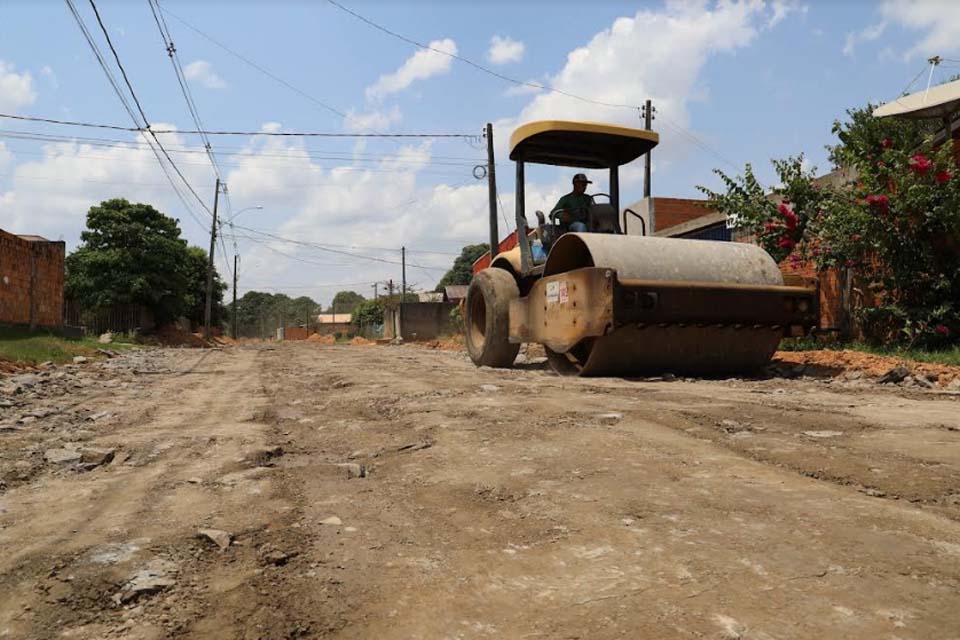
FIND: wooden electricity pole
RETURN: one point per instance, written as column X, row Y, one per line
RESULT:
column 647, row 124
column 403, row 286
column 492, row 194
column 208, row 309
column 233, row 328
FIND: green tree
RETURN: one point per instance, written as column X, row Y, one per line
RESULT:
column 778, row 217
column 367, row 313
column 259, row 313
column 462, row 270
column 132, row 254
column 345, row 302
column 196, row 292
column 860, row 135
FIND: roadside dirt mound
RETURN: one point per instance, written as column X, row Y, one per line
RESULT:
column 319, row 339
column 448, row 343
column 836, row 363
column 8, row 366
column 173, row 336
column 360, row 341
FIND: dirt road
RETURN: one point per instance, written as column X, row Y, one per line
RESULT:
column 395, row 492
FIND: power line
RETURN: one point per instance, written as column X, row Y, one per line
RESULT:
column 123, row 100
column 146, row 121
column 182, row 81
column 536, row 85
column 487, row 70
column 335, row 251
column 256, row 66
column 308, row 154
column 363, row 246
column 287, row 134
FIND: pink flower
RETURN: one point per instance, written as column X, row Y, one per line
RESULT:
column 879, row 203
column 769, row 226
column 788, row 215
column 920, row 164
column 855, row 237
column 850, row 264
column 942, row 330
column 786, row 242
column 942, row 176
column 886, row 143
column 881, row 163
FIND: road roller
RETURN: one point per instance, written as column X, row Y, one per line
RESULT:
column 604, row 303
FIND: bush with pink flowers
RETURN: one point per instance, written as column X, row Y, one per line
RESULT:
column 896, row 225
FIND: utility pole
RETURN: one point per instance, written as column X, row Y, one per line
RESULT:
column 208, row 309
column 375, row 298
column 403, row 285
column 647, row 124
column 390, row 299
column 234, row 323
column 492, row 194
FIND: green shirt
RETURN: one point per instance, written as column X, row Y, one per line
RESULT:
column 575, row 205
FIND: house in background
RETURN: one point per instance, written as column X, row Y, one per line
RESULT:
column 333, row 322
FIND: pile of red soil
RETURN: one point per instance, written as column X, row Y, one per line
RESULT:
column 321, row 339
column 450, row 343
column 8, row 366
column 839, row 362
column 360, row 341
column 174, row 336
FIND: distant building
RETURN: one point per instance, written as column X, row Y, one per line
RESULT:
column 430, row 296
column 333, row 322
column 455, row 292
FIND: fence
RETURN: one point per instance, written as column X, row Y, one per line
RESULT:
column 119, row 319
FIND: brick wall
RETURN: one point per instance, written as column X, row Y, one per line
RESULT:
column 669, row 212
column 31, row 280
column 296, row 333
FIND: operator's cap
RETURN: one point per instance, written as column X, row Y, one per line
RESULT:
column 582, row 177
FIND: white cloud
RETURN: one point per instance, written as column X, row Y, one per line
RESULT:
column 202, row 72
column 504, row 50
column 388, row 196
column 780, row 9
column 868, row 34
column 524, row 89
column 938, row 20
column 421, row 65
column 653, row 54
column 16, row 89
column 374, row 120
column 5, row 155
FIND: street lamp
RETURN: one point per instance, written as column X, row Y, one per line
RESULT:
column 258, row 207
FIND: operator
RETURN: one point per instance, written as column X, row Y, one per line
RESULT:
column 576, row 204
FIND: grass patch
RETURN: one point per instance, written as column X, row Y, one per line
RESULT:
column 949, row 356
column 21, row 345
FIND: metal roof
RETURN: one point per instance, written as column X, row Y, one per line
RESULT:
column 590, row 145
column 936, row 102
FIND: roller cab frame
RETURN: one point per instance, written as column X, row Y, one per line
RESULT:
column 603, row 303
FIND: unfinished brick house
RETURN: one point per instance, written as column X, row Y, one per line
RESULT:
column 31, row 280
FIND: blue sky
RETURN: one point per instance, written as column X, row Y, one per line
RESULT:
column 734, row 82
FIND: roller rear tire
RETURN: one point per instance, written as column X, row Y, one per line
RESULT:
column 487, row 318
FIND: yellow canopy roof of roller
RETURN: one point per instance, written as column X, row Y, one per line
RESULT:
column 590, row 145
